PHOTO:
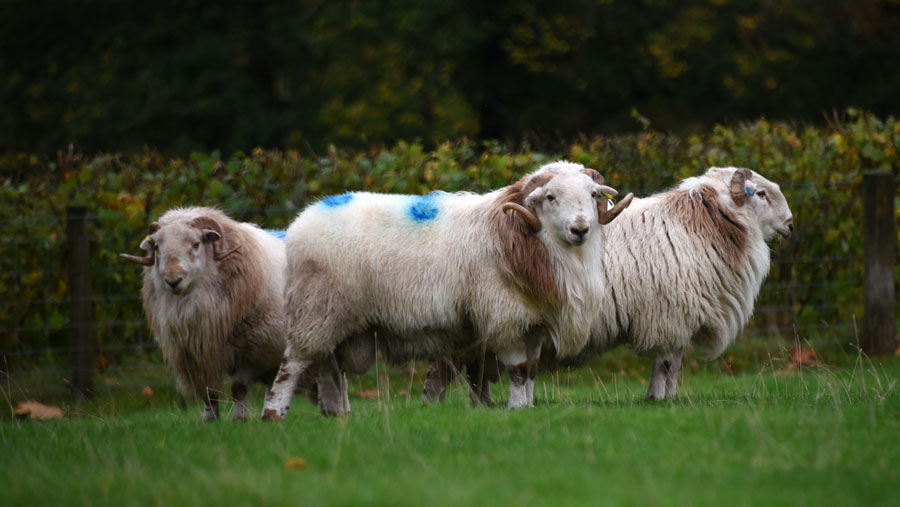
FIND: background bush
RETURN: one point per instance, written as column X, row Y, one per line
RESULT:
column 188, row 75
column 814, row 287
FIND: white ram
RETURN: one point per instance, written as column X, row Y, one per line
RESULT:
column 680, row 267
column 434, row 274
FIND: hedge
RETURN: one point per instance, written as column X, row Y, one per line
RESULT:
column 814, row 282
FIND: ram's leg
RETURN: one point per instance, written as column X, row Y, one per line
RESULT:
column 308, row 385
column 516, row 362
column 210, row 405
column 333, row 400
column 663, row 365
column 278, row 398
column 479, row 383
column 239, row 388
column 436, row 380
column 672, row 373
column 533, row 352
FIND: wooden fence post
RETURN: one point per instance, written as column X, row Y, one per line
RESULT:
column 84, row 343
column 879, row 254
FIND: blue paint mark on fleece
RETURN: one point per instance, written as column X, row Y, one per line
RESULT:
column 423, row 208
column 334, row 201
column 750, row 193
column 277, row 233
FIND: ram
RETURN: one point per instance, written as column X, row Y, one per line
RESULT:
column 213, row 295
column 680, row 267
column 431, row 275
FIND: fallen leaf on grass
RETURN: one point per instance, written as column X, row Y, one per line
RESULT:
column 803, row 357
column 35, row 410
column 295, row 463
column 369, row 393
column 147, row 393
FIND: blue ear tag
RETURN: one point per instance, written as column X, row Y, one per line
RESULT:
column 751, row 193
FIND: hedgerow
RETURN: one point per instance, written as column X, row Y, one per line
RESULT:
column 815, row 278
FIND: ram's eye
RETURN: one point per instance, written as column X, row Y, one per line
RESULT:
column 196, row 245
column 550, row 197
column 761, row 194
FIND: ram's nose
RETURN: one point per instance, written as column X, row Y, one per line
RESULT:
column 788, row 228
column 174, row 283
column 579, row 233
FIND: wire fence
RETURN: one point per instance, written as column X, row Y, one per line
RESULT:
column 38, row 349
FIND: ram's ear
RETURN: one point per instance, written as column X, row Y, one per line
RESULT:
column 148, row 244
column 738, row 187
column 594, row 175
column 211, row 236
column 535, row 197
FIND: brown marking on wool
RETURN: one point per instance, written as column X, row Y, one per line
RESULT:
column 518, row 374
column 271, row 415
column 703, row 215
column 671, row 244
column 282, row 378
column 524, row 256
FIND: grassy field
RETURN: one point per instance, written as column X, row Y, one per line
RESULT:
column 769, row 434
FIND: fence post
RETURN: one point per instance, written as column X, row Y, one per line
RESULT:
column 879, row 253
column 84, row 342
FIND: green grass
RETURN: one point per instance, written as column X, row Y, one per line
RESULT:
column 768, row 435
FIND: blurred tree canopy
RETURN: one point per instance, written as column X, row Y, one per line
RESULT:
column 191, row 75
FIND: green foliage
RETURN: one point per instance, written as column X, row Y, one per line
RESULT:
column 815, row 279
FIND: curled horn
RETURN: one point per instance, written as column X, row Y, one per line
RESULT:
column 218, row 257
column 738, row 181
column 526, row 214
column 150, row 258
column 205, row 222
column 605, row 216
column 145, row 261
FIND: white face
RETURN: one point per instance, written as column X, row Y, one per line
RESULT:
column 567, row 205
column 183, row 253
column 771, row 207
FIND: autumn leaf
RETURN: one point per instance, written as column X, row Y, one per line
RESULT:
column 369, row 393
column 295, row 463
column 35, row 410
column 803, row 357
